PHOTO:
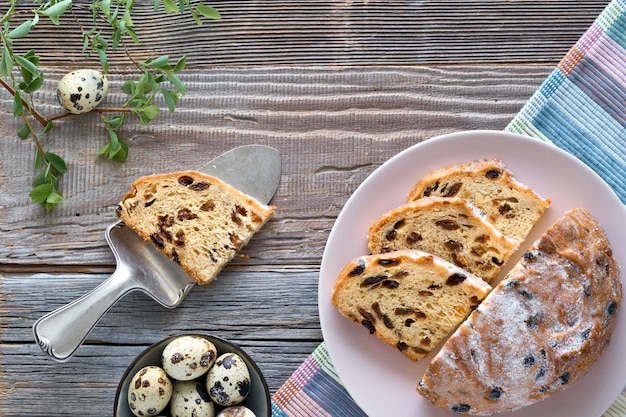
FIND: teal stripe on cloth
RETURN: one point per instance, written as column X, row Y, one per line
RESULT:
column 580, row 107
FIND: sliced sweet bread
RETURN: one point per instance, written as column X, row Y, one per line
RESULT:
column 511, row 206
column 410, row 300
column 446, row 227
column 195, row 219
column 539, row 330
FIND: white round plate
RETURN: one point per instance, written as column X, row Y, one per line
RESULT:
column 380, row 379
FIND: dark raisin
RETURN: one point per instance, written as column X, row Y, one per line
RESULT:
column 509, row 285
column 434, row 287
column 453, row 190
column 564, row 379
column 530, row 255
column 367, row 315
column 496, row 261
column 505, row 210
column 456, row 260
column 359, row 269
column 455, row 279
column 529, row 361
column 453, row 245
column 495, row 393
column 165, row 221
column 158, row 240
column 149, row 203
column 402, row 346
column 425, row 341
column 540, row 374
column 425, row 293
column 199, row 186
column 447, row 224
column 533, row 321
column 493, row 174
column 413, row 238
column 461, row 408
column 430, row 189
column 235, row 218
column 408, row 322
column 403, row 311
column 585, row 334
column 175, row 257
column 377, row 310
column 391, row 235
column 387, row 322
column 611, row 308
column 525, row 294
column 388, row 262
column 398, row 224
column 391, row 284
column 369, row 326
column 372, row 280
column 186, row 214
column 482, row 239
column 241, row 210
column 185, row 180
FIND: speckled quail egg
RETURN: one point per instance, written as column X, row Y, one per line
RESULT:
column 236, row 411
column 190, row 399
column 228, row 381
column 82, row 90
column 149, row 391
column 188, row 357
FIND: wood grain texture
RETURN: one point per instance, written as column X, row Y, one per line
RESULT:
column 338, row 87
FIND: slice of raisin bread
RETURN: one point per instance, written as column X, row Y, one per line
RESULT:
column 446, row 227
column 411, row 300
column 486, row 184
column 195, row 219
column 539, row 330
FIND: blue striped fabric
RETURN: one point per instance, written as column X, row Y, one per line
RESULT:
column 580, row 107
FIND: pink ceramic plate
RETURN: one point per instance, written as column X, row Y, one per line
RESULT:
column 381, row 380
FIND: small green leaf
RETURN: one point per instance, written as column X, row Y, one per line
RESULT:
column 56, row 161
column 104, row 60
column 171, row 6
column 171, row 98
column 21, row 31
column 177, row 83
column 129, row 87
column 38, row 159
column 160, row 62
column 48, row 128
column 23, row 132
column 54, row 11
column 180, row 65
column 147, row 113
column 6, row 62
column 18, row 108
column 208, row 11
column 26, row 65
column 40, row 193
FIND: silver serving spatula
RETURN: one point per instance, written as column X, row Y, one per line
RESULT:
column 253, row 169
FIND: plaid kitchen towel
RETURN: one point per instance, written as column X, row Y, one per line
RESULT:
column 580, row 107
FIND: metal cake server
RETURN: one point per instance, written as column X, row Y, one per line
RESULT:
column 253, row 169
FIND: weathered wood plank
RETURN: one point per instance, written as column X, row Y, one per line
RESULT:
column 333, row 126
column 338, row 33
column 244, row 306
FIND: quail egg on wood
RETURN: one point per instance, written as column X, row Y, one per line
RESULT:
column 190, row 399
column 80, row 91
column 228, row 381
column 236, row 411
column 188, row 357
column 149, row 391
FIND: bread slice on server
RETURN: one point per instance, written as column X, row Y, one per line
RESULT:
column 510, row 206
column 539, row 331
column 449, row 228
column 409, row 299
column 195, row 219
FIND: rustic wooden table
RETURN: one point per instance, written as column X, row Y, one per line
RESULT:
column 337, row 87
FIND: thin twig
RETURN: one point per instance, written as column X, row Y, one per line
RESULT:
column 96, row 110
column 40, row 118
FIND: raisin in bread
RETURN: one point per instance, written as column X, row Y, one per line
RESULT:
column 411, row 300
column 195, row 219
column 539, row 330
column 486, row 184
column 446, row 227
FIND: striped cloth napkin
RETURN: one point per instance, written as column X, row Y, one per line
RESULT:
column 580, row 107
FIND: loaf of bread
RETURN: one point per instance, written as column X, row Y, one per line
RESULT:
column 539, row 330
column 486, row 184
column 446, row 227
column 195, row 219
column 411, row 300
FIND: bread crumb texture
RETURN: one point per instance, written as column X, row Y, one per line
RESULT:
column 195, row 219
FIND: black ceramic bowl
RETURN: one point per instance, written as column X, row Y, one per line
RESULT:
column 258, row 399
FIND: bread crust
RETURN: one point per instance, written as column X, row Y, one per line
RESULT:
column 194, row 218
column 409, row 299
column 540, row 329
column 488, row 185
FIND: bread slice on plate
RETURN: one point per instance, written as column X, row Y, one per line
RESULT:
column 446, row 227
column 509, row 205
column 410, row 300
column 539, row 331
column 193, row 218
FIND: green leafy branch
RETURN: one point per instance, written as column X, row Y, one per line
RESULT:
column 21, row 76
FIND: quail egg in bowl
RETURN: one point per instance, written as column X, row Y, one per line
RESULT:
column 192, row 375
